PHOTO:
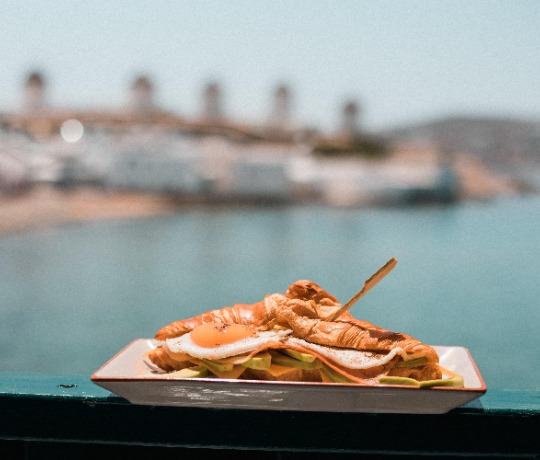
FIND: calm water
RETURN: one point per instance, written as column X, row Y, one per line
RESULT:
column 467, row 275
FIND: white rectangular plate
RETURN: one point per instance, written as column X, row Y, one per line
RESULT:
column 126, row 375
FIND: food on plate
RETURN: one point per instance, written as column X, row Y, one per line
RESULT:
column 294, row 337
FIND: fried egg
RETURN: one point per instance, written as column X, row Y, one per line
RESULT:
column 215, row 334
column 221, row 341
column 347, row 357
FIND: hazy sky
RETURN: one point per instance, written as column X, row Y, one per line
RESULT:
column 403, row 61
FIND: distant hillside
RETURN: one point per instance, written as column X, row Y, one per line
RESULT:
column 497, row 142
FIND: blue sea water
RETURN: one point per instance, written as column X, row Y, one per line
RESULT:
column 468, row 275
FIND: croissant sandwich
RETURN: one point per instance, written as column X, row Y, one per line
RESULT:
column 293, row 337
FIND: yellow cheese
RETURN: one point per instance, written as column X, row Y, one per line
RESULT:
column 234, row 374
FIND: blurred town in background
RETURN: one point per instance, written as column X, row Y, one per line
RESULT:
column 59, row 164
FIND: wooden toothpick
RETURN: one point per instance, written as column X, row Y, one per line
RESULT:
column 368, row 284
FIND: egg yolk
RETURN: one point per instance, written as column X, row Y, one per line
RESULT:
column 212, row 335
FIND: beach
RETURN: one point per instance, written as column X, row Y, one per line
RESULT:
column 44, row 206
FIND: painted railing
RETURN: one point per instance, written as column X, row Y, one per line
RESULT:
column 47, row 416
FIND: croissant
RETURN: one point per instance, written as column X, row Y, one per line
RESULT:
column 298, row 321
column 255, row 315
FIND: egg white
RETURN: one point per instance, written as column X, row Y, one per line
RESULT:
column 184, row 344
column 347, row 357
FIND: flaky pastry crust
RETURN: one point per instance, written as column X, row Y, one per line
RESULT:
column 304, row 308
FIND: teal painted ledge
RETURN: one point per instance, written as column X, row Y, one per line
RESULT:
column 46, row 413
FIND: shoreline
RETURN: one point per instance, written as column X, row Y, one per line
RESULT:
column 46, row 206
column 49, row 206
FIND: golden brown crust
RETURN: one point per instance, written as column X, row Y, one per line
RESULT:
column 311, row 375
column 260, row 314
column 308, row 290
column 304, row 317
column 344, row 334
column 249, row 314
column 159, row 357
column 427, row 372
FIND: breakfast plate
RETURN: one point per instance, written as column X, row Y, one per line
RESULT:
column 127, row 375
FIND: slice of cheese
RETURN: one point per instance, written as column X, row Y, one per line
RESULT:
column 276, row 373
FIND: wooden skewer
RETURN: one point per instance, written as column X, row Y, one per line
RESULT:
column 368, row 284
